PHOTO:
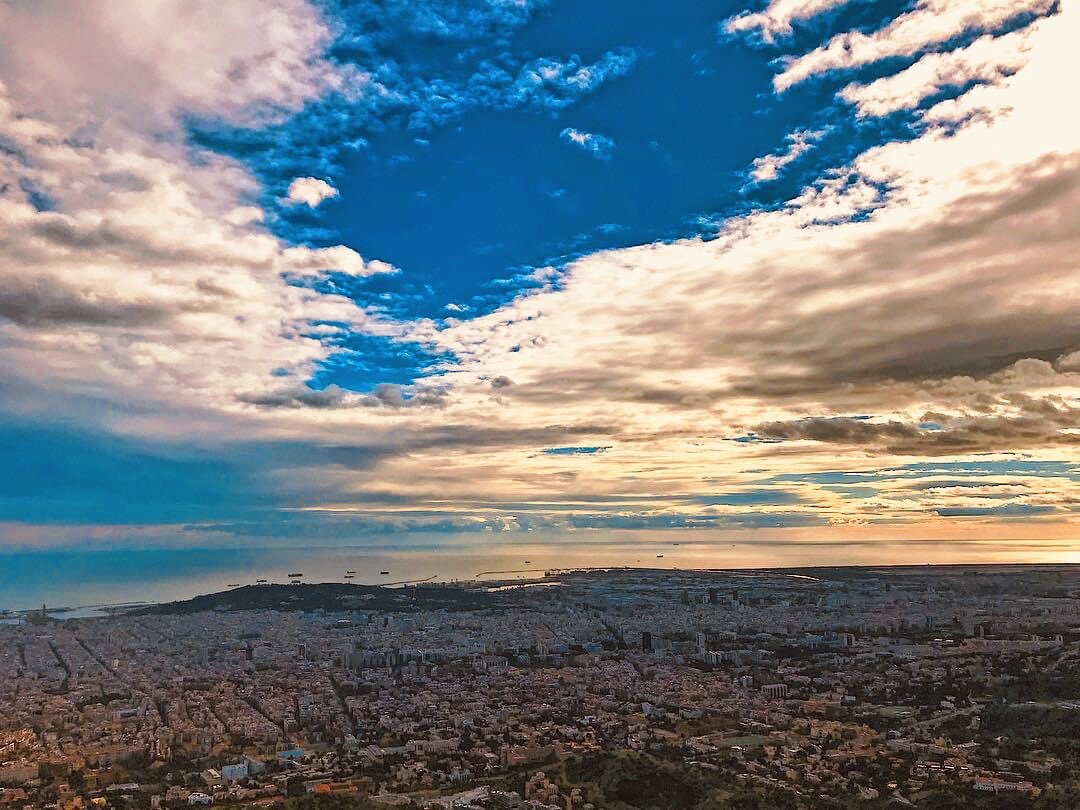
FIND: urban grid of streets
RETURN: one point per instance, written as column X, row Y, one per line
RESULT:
column 906, row 684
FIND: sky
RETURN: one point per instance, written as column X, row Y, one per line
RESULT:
column 359, row 271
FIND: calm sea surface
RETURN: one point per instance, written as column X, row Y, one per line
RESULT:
column 109, row 576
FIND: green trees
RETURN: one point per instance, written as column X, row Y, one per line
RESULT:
column 312, row 802
column 623, row 780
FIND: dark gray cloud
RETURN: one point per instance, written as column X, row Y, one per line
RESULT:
column 1042, row 422
column 387, row 395
column 47, row 305
column 332, row 396
column 969, row 323
column 752, row 497
column 1008, row 510
column 924, row 486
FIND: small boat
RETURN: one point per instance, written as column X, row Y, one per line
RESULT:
column 348, row 576
column 383, row 573
column 350, row 572
column 260, row 582
column 294, row 575
column 234, row 584
column 659, row 556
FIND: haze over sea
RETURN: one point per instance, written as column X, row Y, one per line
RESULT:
column 78, row 577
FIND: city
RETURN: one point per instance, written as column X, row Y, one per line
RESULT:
column 912, row 686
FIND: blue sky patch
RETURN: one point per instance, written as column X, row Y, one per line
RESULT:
column 469, row 156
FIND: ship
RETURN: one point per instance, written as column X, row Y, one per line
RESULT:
column 294, row 575
column 383, row 573
column 260, row 582
column 348, row 576
column 350, row 572
column 659, row 556
column 234, row 584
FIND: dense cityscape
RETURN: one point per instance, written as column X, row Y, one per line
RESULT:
column 914, row 686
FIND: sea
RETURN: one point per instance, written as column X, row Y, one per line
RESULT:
column 85, row 580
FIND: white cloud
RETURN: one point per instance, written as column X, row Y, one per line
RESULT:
column 309, row 191
column 147, row 276
column 768, row 167
column 986, row 60
column 904, row 283
column 930, row 23
column 552, row 83
column 151, row 60
column 597, row 145
column 777, row 18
